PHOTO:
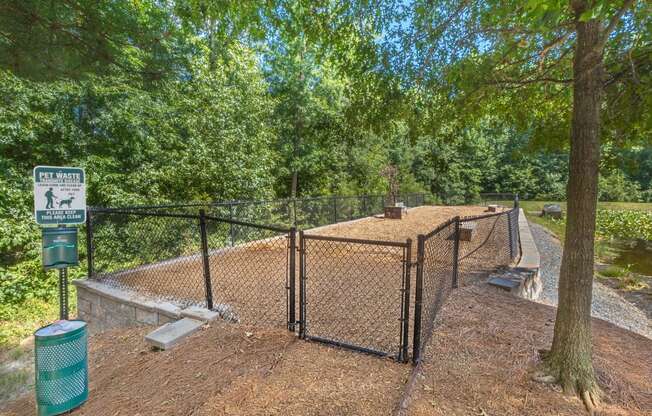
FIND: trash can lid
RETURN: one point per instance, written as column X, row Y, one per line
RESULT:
column 59, row 327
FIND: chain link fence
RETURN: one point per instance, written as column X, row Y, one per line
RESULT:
column 355, row 293
column 352, row 293
column 150, row 252
column 455, row 253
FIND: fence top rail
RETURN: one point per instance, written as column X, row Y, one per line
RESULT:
column 402, row 244
column 248, row 224
column 194, row 217
column 483, row 216
column 144, row 213
column 237, row 202
column 440, row 227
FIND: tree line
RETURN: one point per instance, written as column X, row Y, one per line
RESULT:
column 187, row 100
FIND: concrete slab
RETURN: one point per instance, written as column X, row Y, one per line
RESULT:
column 172, row 333
column 507, row 284
column 200, row 314
column 530, row 258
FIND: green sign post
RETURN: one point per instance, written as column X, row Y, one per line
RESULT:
column 61, row 348
column 60, row 200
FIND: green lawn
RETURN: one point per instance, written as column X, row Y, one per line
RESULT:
column 605, row 251
column 533, row 209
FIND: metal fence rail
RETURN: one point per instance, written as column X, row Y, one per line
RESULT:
column 352, row 293
column 302, row 213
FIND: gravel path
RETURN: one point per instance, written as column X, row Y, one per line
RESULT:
column 607, row 303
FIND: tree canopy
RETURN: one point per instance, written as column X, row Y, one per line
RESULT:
column 185, row 100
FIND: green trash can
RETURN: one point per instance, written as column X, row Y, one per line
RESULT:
column 61, row 366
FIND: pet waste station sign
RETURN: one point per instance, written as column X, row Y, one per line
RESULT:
column 59, row 195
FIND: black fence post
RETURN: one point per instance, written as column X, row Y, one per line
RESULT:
column 231, row 228
column 302, row 286
column 516, row 201
column 89, row 244
column 456, row 252
column 405, row 319
column 63, row 293
column 334, row 209
column 364, row 205
column 205, row 260
column 418, row 300
column 292, row 286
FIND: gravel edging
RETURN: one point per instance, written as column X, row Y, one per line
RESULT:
column 607, row 304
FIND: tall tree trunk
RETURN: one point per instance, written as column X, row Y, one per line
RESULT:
column 298, row 127
column 570, row 359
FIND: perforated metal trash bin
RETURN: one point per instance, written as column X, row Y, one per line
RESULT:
column 61, row 367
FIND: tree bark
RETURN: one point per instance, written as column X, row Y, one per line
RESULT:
column 570, row 359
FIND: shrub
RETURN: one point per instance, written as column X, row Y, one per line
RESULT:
column 624, row 224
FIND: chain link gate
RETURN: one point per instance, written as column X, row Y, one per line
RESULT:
column 355, row 293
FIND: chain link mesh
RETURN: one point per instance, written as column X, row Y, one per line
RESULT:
column 249, row 273
column 438, row 259
column 484, row 243
column 157, row 255
column 353, row 292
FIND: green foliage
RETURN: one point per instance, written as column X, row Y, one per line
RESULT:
column 192, row 100
column 624, row 224
column 616, row 187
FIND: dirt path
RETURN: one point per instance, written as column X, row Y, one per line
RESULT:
column 607, row 303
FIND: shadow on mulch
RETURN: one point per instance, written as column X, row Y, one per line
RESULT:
column 235, row 370
column 486, row 344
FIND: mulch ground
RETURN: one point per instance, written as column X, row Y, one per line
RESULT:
column 420, row 220
column 229, row 369
column 477, row 363
column 486, row 344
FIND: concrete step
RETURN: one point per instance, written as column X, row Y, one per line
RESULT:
column 522, row 282
column 170, row 334
column 507, row 284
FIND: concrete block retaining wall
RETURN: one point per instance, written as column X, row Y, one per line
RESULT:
column 104, row 307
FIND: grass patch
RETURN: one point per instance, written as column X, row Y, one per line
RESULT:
column 20, row 321
column 12, row 381
column 613, row 271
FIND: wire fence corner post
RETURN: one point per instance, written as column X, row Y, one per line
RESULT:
column 292, row 285
column 456, row 252
column 302, row 286
column 89, row 244
column 205, row 260
column 418, row 300
column 405, row 318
